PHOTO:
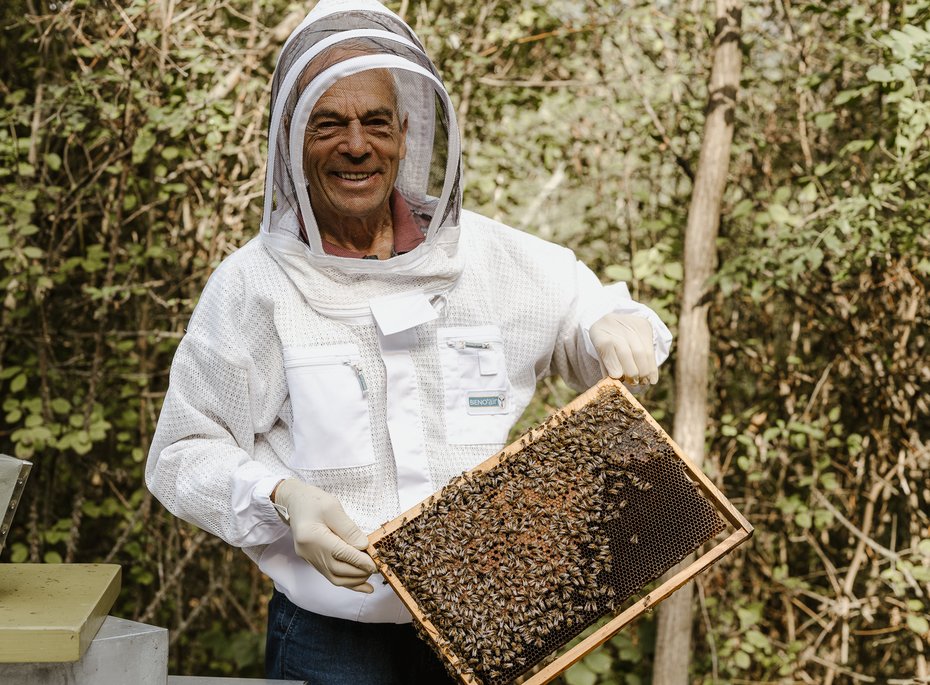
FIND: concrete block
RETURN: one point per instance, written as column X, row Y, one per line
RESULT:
column 123, row 653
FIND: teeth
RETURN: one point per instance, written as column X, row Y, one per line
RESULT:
column 352, row 177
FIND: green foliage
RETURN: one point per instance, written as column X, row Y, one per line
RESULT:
column 824, row 266
column 131, row 162
column 122, row 182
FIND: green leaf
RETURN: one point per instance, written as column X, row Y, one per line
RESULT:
column 899, row 72
column 857, row 146
column 675, row 271
column 828, row 481
column 742, row 660
column 579, row 674
column 924, row 547
column 18, row 383
column 144, row 141
column 845, row 96
column 615, row 272
column 757, row 639
column 918, row 624
column 60, row 405
column 808, row 193
column 19, row 553
column 879, row 74
column 742, row 208
column 15, row 98
column 781, row 215
column 52, row 557
column 599, row 662
column 749, row 616
column 825, row 120
column 856, row 13
column 9, row 372
column 822, row 519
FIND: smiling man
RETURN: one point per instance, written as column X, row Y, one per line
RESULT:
column 371, row 343
column 354, row 143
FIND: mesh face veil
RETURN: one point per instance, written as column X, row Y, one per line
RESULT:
column 337, row 40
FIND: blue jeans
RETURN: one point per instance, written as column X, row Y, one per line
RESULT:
column 302, row 645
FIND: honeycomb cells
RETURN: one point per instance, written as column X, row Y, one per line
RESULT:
column 510, row 564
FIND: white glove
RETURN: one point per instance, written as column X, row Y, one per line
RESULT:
column 624, row 344
column 324, row 535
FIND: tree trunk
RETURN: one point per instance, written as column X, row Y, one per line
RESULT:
column 673, row 642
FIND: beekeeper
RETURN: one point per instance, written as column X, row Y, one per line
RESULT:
column 372, row 342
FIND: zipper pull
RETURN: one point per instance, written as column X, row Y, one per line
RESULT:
column 466, row 345
column 359, row 375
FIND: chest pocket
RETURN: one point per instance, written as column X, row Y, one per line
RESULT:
column 476, row 388
column 329, row 399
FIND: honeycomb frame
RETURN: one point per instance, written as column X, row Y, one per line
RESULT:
column 486, row 561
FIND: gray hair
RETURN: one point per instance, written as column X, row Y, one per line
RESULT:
column 353, row 47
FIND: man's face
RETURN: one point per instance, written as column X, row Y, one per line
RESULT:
column 353, row 147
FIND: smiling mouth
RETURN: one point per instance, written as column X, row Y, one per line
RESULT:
column 348, row 176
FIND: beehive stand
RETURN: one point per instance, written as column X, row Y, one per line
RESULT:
column 561, row 529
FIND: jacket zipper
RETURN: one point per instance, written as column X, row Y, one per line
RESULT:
column 358, row 375
column 330, row 361
column 468, row 345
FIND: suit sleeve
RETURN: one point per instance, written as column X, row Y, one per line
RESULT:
column 575, row 357
column 201, row 464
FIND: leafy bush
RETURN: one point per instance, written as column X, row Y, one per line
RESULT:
column 131, row 161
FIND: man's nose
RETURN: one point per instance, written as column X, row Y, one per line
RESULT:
column 355, row 144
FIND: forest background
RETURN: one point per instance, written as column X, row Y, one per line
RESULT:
column 132, row 140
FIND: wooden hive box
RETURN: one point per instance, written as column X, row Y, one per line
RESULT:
column 51, row 612
column 561, row 529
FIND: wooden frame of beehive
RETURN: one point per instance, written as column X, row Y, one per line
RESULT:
column 545, row 670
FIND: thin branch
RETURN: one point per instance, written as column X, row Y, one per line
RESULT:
column 202, row 538
column 884, row 551
column 709, row 631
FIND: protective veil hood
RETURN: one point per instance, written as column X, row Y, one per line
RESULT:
column 337, row 39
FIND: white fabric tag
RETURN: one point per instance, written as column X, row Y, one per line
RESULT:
column 395, row 313
column 488, row 362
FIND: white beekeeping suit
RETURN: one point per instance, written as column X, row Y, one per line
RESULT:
column 374, row 380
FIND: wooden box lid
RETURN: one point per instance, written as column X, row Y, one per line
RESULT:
column 51, row 612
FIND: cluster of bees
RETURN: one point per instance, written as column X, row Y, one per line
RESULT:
column 511, row 563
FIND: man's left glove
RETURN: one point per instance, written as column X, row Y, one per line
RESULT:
column 624, row 344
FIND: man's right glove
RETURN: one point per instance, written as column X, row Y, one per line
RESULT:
column 324, row 535
column 624, row 344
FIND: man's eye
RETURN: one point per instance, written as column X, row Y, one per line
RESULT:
column 326, row 126
column 378, row 123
